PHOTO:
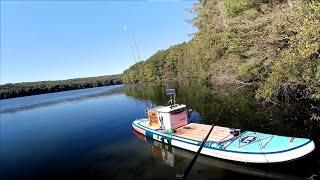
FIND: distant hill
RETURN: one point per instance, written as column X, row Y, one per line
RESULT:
column 272, row 44
column 42, row 87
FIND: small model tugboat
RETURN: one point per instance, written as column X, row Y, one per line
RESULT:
column 169, row 124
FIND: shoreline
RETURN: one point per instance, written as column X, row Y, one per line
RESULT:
column 9, row 91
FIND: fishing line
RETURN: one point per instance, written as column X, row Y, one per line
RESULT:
column 135, row 52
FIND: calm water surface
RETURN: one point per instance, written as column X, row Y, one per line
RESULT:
column 87, row 134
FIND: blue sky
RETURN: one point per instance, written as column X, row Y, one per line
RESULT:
column 53, row 40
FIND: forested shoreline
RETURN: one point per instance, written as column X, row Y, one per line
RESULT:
column 271, row 44
column 41, row 87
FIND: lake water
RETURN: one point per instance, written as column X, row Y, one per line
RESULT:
column 87, row 134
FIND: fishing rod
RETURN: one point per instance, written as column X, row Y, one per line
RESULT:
column 138, row 54
column 134, row 49
column 131, row 44
column 188, row 169
column 135, row 52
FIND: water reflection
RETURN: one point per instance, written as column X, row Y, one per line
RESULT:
column 44, row 100
column 176, row 157
column 233, row 108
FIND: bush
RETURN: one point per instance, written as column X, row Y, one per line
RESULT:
column 295, row 71
column 248, row 71
column 250, row 13
column 234, row 7
column 318, row 72
column 238, row 48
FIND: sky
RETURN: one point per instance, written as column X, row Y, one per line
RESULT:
column 55, row 40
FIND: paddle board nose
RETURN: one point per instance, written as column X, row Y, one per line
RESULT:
column 296, row 148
